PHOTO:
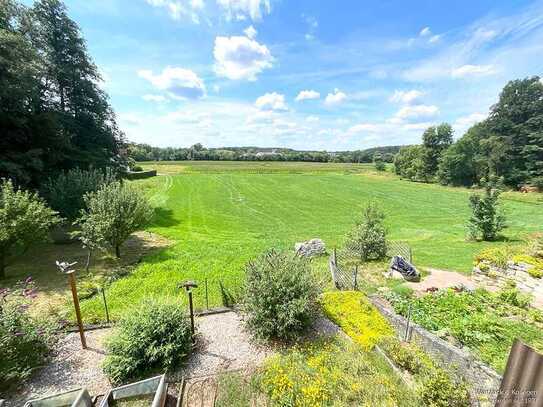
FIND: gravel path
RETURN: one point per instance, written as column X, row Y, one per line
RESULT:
column 442, row 279
column 222, row 344
column 71, row 367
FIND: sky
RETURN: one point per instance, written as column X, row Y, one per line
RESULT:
column 306, row 74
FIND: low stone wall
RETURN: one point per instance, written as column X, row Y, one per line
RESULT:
column 492, row 277
column 483, row 380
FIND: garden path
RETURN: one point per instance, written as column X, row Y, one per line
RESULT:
column 442, row 279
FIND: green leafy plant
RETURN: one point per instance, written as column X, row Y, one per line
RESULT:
column 356, row 316
column 24, row 343
column 112, row 214
column 487, row 219
column 153, row 337
column 24, row 219
column 280, row 295
column 368, row 239
column 65, row 192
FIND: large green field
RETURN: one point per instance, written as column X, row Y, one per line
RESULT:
column 219, row 215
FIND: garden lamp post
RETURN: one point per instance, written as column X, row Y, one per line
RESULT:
column 188, row 286
column 66, row 268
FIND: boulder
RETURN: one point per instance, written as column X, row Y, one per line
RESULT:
column 310, row 248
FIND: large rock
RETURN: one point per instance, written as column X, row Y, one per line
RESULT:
column 313, row 247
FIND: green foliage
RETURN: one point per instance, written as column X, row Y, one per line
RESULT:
column 280, row 295
column 112, row 214
column 368, row 239
column 536, row 246
column 496, row 256
column 480, row 320
column 65, row 192
column 24, row 220
column 379, row 163
column 513, row 296
column 53, row 113
column 408, row 163
column 536, row 270
column 356, row 316
column 434, row 141
column 487, row 219
column 332, row 373
column 153, row 337
column 439, row 390
column 24, row 344
column 435, row 386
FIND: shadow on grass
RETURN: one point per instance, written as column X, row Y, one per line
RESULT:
column 164, row 218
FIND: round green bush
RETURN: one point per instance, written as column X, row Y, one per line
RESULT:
column 280, row 296
column 154, row 337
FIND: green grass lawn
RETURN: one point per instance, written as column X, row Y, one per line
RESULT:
column 221, row 214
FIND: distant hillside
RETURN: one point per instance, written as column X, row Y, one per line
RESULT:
column 145, row 152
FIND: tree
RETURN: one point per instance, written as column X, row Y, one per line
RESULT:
column 434, row 141
column 24, row 219
column 113, row 213
column 517, row 121
column 408, row 163
column 368, row 239
column 462, row 163
column 379, row 163
column 487, row 219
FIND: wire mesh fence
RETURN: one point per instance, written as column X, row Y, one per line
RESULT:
column 346, row 264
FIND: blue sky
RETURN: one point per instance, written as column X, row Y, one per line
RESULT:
column 331, row 75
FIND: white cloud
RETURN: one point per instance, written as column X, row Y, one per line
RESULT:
column 365, row 127
column 154, row 98
column 434, row 38
column 335, row 98
column 178, row 9
column 415, row 112
column 271, row 101
column 465, row 122
column 425, row 32
column 406, row 97
column 473, row 70
column 250, row 32
column 239, row 9
column 307, row 94
column 178, row 82
column 312, row 119
column 240, row 58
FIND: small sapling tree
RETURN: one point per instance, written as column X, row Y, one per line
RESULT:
column 487, row 218
column 24, row 219
column 112, row 214
column 368, row 239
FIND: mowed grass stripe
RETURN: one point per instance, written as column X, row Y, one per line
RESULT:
column 220, row 219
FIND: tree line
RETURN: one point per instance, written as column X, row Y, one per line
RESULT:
column 53, row 114
column 508, row 145
column 145, row 152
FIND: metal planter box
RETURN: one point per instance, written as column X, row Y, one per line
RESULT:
column 155, row 387
column 73, row 398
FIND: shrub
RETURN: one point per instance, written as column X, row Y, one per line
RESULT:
column 137, row 168
column 536, row 271
column 538, row 183
column 536, row 246
column 24, row 219
column 66, row 191
column 438, row 389
column 380, row 165
column 486, row 220
column 496, row 256
column 113, row 213
column 24, row 344
column 368, row 238
column 512, row 295
column 154, row 337
column 356, row 316
column 280, row 295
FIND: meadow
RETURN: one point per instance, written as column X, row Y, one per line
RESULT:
column 219, row 215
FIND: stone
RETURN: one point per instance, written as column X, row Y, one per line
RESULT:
column 310, row 248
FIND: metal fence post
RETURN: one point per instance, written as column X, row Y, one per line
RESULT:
column 105, row 304
column 408, row 326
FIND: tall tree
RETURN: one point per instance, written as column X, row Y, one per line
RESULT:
column 434, row 141
column 517, row 123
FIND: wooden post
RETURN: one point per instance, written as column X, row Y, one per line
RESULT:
column 71, row 279
column 105, row 304
column 207, row 296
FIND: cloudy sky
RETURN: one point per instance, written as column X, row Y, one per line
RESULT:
column 306, row 74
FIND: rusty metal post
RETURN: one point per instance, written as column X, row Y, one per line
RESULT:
column 105, row 304
column 207, row 296
column 71, row 279
column 189, row 286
